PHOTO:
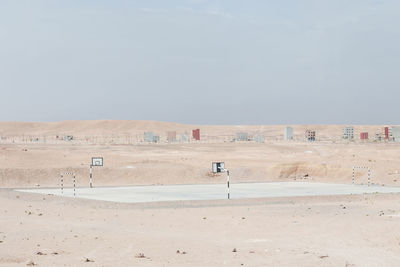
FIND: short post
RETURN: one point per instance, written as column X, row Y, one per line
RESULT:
column 91, row 176
column 62, row 185
column 227, row 181
column 353, row 175
column 369, row 176
column 74, row 186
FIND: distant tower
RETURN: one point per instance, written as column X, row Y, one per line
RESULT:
column 288, row 133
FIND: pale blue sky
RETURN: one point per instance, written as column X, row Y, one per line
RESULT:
column 201, row 62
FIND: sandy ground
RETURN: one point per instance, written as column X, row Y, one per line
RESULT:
column 36, row 164
column 295, row 231
column 316, row 231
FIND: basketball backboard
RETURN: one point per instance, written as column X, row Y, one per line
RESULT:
column 97, row 161
column 218, row 167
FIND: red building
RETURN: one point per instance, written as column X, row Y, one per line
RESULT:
column 364, row 136
column 196, row 134
column 386, row 133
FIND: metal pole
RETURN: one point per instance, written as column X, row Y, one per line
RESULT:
column 91, row 176
column 62, row 185
column 74, row 186
column 353, row 175
column 369, row 176
column 227, row 180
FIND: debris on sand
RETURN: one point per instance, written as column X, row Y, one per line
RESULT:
column 323, row 256
column 234, row 250
column 181, row 252
column 40, row 253
column 30, row 263
column 89, row 260
column 140, row 256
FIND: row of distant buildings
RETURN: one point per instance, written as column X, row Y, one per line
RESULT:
column 172, row 136
column 387, row 134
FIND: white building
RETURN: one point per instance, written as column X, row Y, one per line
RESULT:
column 396, row 133
column 288, row 133
column 258, row 139
column 348, row 133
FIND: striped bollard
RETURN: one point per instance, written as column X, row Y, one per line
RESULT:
column 353, row 176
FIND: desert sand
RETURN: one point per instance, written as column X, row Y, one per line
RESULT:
column 46, row 230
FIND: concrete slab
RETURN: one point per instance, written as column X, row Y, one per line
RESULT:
column 142, row 194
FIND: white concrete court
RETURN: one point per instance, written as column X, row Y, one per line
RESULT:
column 142, row 194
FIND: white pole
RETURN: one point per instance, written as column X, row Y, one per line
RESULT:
column 74, row 186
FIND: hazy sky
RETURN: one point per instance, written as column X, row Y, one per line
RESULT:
column 200, row 61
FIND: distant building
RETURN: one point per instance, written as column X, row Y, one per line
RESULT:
column 288, row 133
column 149, row 137
column 348, row 133
column 171, row 136
column 196, row 134
column 184, row 138
column 258, row 139
column 242, row 137
column 396, row 133
column 310, row 135
column 364, row 136
column 156, row 139
column 386, row 133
